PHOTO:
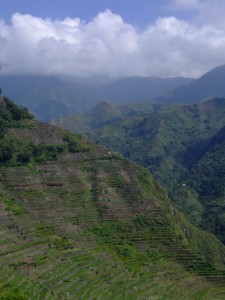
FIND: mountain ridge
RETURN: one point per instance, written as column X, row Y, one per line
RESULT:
column 208, row 86
column 49, row 97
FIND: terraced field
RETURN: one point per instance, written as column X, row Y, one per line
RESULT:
column 92, row 225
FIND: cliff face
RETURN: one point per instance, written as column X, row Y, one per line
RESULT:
column 86, row 223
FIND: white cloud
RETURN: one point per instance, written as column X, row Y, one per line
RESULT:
column 108, row 45
column 203, row 11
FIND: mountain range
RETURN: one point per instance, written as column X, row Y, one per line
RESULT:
column 81, row 222
column 208, row 86
column 183, row 146
column 104, row 113
column 49, row 97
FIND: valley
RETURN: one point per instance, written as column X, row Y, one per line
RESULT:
column 181, row 144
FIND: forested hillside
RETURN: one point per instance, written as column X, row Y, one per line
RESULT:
column 104, row 113
column 183, row 146
column 80, row 222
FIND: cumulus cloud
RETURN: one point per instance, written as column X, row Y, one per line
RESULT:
column 108, row 45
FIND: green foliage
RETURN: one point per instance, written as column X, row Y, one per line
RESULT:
column 208, row 175
column 9, row 295
column 6, row 149
column 7, row 292
column 183, row 146
column 12, row 205
column 186, row 200
column 213, row 218
column 76, row 143
column 11, row 114
column 43, row 230
column 169, row 142
column 142, row 220
column 61, row 243
column 40, row 259
column 118, row 181
column 15, row 151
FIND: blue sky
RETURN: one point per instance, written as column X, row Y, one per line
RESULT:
column 137, row 12
column 115, row 38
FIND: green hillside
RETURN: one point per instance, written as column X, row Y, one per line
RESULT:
column 104, row 113
column 80, row 222
column 207, row 178
column 174, row 137
column 183, row 146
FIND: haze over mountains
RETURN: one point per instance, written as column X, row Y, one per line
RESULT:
column 210, row 85
column 49, row 97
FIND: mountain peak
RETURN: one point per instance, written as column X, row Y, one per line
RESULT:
column 210, row 85
column 219, row 70
column 105, row 107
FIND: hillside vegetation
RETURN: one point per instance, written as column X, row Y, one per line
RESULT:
column 86, row 223
column 104, row 113
column 183, row 146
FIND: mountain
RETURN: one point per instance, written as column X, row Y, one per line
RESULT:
column 51, row 97
column 48, row 97
column 176, row 135
column 104, row 113
column 139, row 89
column 80, row 222
column 207, row 178
column 210, row 85
column 183, row 146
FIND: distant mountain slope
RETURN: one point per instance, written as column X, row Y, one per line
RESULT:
column 210, row 85
column 207, row 176
column 207, row 179
column 104, row 113
column 139, row 89
column 175, row 136
column 48, row 96
column 80, row 222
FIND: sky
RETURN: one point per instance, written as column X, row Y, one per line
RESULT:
column 114, row 38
